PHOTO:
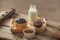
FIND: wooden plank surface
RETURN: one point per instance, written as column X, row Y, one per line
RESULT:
column 6, row 33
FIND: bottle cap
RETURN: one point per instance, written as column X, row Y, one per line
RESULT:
column 33, row 6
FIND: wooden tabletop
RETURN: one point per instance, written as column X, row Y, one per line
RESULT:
column 5, row 31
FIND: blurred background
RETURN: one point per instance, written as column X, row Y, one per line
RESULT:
column 49, row 9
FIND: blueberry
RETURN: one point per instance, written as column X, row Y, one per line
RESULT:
column 21, row 20
column 17, row 21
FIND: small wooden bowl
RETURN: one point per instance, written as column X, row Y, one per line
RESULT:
column 43, row 28
column 15, row 27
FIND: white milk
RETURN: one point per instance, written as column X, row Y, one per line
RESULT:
column 32, row 14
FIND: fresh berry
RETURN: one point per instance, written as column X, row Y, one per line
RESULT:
column 17, row 21
column 21, row 20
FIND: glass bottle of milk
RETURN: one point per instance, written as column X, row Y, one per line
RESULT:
column 32, row 14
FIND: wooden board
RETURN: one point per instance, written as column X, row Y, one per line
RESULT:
column 6, row 33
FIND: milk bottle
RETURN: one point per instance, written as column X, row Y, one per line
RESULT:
column 32, row 14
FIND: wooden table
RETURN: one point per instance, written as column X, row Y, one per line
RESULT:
column 5, row 31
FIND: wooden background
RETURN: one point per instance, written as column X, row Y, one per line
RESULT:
column 49, row 9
